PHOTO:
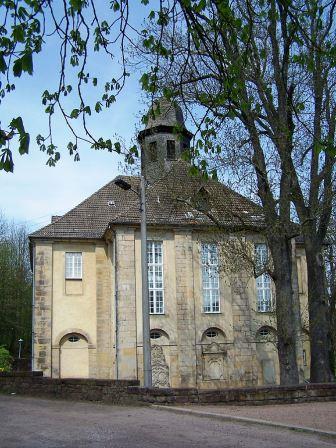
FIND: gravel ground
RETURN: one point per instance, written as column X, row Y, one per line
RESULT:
column 312, row 415
column 36, row 423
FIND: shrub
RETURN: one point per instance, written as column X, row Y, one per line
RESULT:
column 5, row 360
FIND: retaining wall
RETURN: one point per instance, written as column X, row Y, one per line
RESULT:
column 129, row 392
column 34, row 384
column 239, row 396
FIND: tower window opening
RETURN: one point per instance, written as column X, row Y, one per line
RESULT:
column 152, row 152
column 171, row 150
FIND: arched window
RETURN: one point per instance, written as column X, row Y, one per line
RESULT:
column 158, row 335
column 155, row 334
column 213, row 334
column 73, row 338
column 266, row 333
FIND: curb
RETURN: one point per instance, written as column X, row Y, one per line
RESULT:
column 251, row 421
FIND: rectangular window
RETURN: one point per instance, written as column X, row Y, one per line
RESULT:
column 152, row 153
column 304, row 356
column 155, row 277
column 263, row 282
column 73, row 265
column 210, row 278
column 171, row 150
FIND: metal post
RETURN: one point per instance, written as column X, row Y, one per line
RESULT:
column 20, row 346
column 147, row 362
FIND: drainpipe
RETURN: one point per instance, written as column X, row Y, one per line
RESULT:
column 33, row 310
column 116, row 342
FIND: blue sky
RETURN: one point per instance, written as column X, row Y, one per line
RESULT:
column 35, row 191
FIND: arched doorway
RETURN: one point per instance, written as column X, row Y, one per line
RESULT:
column 74, row 356
column 267, row 356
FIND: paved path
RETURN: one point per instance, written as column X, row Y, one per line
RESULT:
column 36, row 423
column 312, row 415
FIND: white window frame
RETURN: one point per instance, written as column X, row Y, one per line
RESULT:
column 211, row 306
column 263, row 282
column 155, row 286
column 73, row 272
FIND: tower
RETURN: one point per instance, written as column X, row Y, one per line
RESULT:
column 163, row 140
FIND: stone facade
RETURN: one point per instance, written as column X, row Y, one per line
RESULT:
column 105, row 309
column 91, row 326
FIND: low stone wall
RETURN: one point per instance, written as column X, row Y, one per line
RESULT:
column 34, row 384
column 129, row 392
column 241, row 396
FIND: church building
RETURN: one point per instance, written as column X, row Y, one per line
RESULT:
column 212, row 317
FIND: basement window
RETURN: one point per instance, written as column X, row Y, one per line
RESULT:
column 211, row 334
column 73, row 338
column 155, row 334
column 264, row 331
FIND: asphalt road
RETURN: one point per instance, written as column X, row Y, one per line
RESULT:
column 35, row 423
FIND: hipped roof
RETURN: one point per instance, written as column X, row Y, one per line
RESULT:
column 174, row 200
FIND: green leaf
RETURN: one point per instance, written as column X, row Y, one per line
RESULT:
column 98, row 107
column 3, row 65
column 17, row 68
column 27, row 62
column 94, row 81
column 6, row 161
column 18, row 33
column 17, row 124
column 201, row 6
column 87, row 110
column 115, row 6
column 24, row 143
column 76, row 4
column 193, row 170
column 74, row 113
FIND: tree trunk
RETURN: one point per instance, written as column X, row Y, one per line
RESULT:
column 286, row 315
column 319, row 328
column 332, row 307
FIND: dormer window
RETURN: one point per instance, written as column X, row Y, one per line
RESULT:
column 171, row 150
column 152, row 152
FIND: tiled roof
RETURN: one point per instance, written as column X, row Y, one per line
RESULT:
column 175, row 200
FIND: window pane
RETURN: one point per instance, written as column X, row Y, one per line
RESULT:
column 155, row 276
column 261, row 255
column 159, row 302
column 73, row 265
column 150, row 277
column 210, row 278
column 151, row 301
column 264, row 293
